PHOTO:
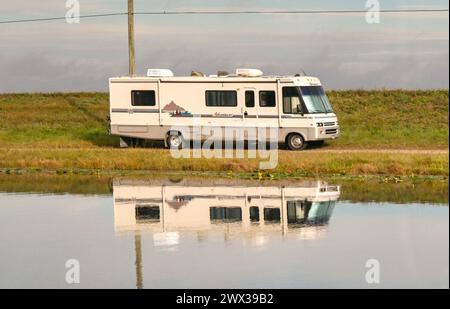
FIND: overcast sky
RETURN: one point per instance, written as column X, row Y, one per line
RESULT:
column 402, row 51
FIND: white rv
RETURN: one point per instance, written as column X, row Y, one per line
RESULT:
column 149, row 107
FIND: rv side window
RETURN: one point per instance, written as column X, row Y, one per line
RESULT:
column 267, row 98
column 143, row 98
column 221, row 98
column 291, row 101
column 249, row 98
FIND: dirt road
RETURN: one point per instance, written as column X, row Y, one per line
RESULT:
column 405, row 151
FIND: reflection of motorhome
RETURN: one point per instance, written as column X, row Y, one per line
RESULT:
column 175, row 207
column 149, row 107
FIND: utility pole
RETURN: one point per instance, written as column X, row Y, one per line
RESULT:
column 131, row 61
column 138, row 261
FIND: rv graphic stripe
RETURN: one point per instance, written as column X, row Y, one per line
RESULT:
column 125, row 110
column 133, row 110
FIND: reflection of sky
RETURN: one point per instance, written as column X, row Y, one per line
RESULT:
column 404, row 50
column 39, row 233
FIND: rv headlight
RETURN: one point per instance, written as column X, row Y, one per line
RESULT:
column 320, row 124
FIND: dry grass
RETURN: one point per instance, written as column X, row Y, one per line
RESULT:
column 290, row 163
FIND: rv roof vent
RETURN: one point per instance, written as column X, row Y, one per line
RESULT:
column 159, row 73
column 197, row 73
column 249, row 72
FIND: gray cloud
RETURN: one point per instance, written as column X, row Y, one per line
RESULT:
column 344, row 52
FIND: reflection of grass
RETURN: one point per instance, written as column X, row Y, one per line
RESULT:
column 47, row 183
column 352, row 190
column 69, row 131
column 403, row 192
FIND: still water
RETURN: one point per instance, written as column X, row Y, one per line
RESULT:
column 187, row 234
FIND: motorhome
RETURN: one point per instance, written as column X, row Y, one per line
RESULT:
column 303, row 208
column 149, row 107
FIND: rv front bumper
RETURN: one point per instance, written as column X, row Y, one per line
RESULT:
column 323, row 133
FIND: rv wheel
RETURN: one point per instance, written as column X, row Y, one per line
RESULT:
column 295, row 142
column 175, row 140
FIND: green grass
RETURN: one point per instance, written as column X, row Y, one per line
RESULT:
column 61, row 120
column 68, row 131
column 392, row 118
column 368, row 119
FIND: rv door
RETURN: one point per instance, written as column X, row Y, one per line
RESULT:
column 250, row 112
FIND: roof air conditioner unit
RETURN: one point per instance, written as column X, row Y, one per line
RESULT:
column 159, row 73
column 249, row 72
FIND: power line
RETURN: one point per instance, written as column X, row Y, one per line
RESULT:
column 57, row 18
column 331, row 12
column 288, row 12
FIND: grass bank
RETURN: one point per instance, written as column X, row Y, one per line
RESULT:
column 290, row 164
column 369, row 119
column 68, row 132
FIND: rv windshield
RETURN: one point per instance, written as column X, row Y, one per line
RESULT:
column 315, row 99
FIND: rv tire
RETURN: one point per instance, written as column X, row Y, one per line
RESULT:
column 174, row 140
column 295, row 141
